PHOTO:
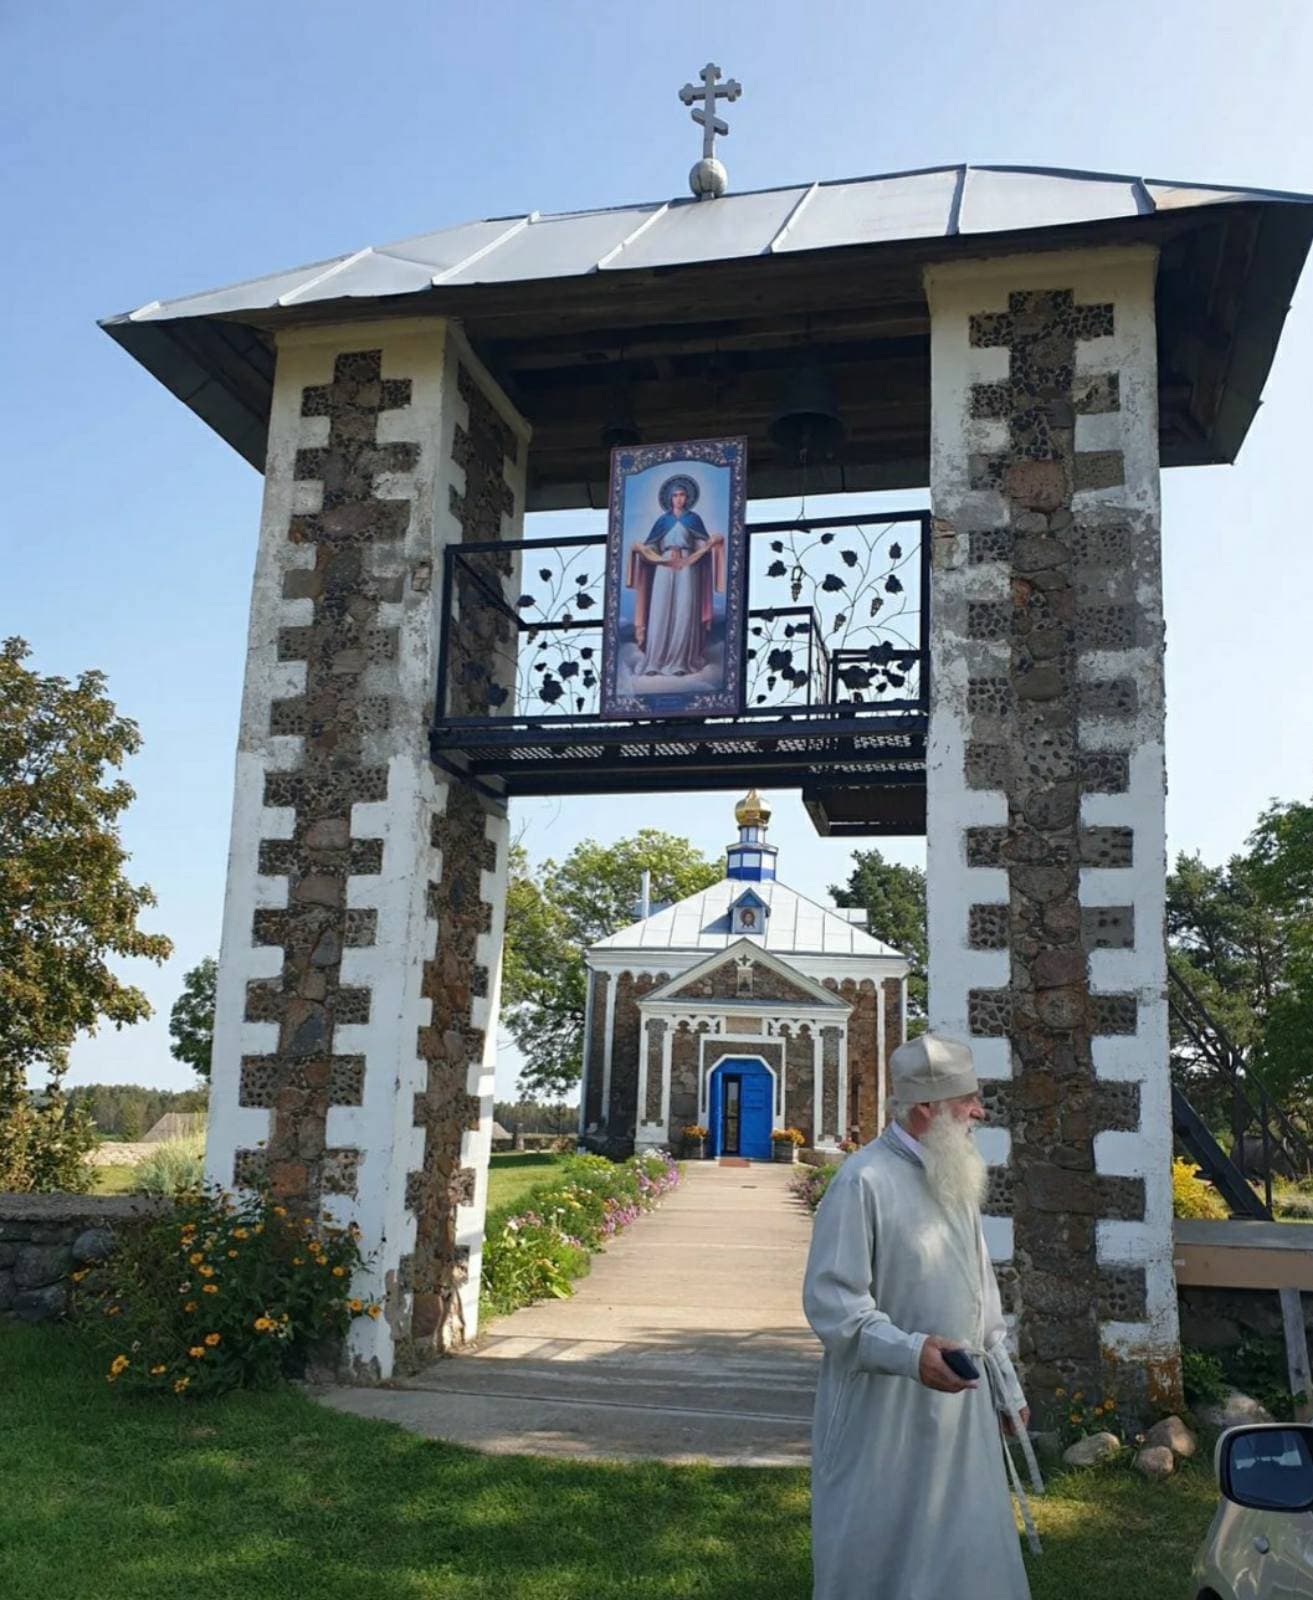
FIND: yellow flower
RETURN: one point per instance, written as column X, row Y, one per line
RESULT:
column 207, row 1271
column 280, row 1211
column 259, row 1227
column 190, row 1306
column 212, row 1339
column 112, row 1311
column 210, row 1288
column 196, row 1352
column 297, row 1261
column 180, row 1385
column 232, row 1255
column 241, row 1233
column 355, row 1306
column 1074, row 1417
column 264, row 1324
column 375, row 1311
column 195, row 1258
column 119, row 1364
column 155, row 1371
column 339, row 1272
column 1060, row 1393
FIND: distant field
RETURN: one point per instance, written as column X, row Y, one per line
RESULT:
column 509, row 1176
column 113, row 1180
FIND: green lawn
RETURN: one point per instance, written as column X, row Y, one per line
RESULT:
column 113, row 1180
column 509, row 1176
column 514, row 1173
column 271, row 1497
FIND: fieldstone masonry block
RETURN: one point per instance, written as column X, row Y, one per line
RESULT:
column 380, row 887
column 1082, row 630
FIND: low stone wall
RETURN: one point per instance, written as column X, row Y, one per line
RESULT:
column 1216, row 1319
column 821, row 1158
column 44, row 1237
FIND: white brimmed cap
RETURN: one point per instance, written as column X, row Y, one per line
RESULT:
column 932, row 1068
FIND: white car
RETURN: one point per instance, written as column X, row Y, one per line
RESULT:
column 1260, row 1545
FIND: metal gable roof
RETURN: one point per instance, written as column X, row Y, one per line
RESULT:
column 939, row 202
column 638, row 272
column 796, row 926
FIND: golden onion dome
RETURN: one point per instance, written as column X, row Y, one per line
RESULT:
column 752, row 811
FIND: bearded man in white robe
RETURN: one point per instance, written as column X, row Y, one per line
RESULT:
column 909, row 1475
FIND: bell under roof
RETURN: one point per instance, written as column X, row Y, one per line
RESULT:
column 671, row 297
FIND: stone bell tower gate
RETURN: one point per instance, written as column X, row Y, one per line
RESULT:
column 1034, row 346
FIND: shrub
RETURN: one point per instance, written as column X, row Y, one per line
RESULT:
column 223, row 1292
column 1201, row 1376
column 173, row 1166
column 537, row 1253
column 1293, row 1201
column 793, row 1136
column 1077, row 1417
column 44, row 1147
column 1191, row 1196
column 810, row 1183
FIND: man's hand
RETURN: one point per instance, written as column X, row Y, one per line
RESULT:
column 1024, row 1414
column 935, row 1373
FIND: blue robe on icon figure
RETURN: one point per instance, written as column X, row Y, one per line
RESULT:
column 676, row 573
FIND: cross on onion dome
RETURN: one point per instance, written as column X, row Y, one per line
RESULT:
column 708, row 177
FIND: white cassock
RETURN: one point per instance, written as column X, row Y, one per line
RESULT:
column 909, row 1486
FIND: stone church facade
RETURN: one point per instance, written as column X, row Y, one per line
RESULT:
column 742, row 1009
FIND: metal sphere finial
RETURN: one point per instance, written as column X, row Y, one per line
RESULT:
column 708, row 179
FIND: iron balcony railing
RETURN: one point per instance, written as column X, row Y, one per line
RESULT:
column 835, row 620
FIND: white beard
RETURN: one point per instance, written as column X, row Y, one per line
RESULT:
column 954, row 1168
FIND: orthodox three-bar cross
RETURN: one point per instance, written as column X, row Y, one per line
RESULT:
column 705, row 115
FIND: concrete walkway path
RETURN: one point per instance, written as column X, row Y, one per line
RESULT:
column 686, row 1342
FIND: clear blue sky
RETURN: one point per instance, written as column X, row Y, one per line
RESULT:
column 154, row 149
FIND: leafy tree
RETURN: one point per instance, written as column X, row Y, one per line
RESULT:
column 66, row 907
column 191, row 1022
column 1241, row 937
column 126, row 1111
column 894, row 898
column 535, row 1116
column 553, row 916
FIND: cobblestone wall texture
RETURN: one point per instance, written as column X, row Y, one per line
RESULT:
column 45, row 1237
column 1056, row 615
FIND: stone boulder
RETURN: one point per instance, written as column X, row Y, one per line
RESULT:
column 93, row 1245
column 1092, row 1449
column 40, row 1305
column 1156, row 1461
column 1235, row 1410
column 1172, row 1433
column 40, row 1264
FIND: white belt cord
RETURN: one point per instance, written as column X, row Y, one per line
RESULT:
column 1000, row 1392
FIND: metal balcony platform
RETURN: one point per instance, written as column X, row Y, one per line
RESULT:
column 836, row 687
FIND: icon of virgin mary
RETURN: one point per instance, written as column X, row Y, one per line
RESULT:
column 676, row 573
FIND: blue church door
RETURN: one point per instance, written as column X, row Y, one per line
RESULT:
column 740, row 1104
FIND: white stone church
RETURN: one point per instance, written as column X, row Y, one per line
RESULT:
column 742, row 1009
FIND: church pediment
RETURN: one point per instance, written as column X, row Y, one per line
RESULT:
column 746, row 972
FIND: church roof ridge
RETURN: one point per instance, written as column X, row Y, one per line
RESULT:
column 699, row 923
column 348, row 275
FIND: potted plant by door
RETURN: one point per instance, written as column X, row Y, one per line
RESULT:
column 785, row 1144
column 695, row 1142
